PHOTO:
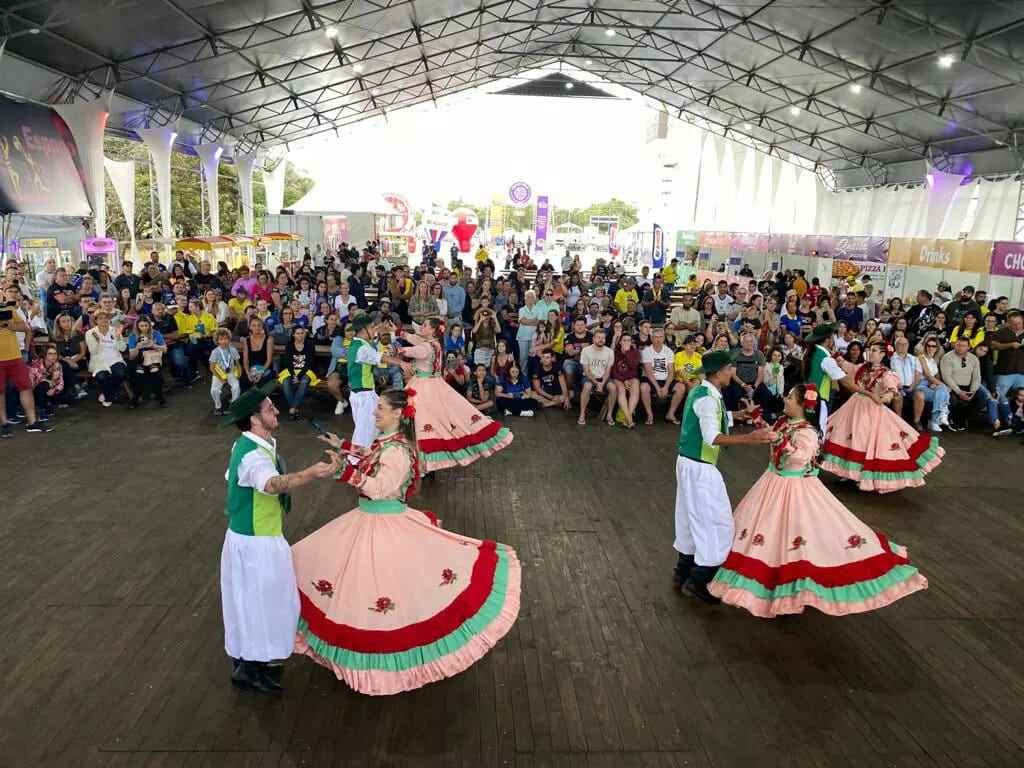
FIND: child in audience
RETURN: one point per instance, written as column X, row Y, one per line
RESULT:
column 225, row 365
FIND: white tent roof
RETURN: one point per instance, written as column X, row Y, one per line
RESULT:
column 336, row 196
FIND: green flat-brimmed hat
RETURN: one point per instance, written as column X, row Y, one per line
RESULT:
column 713, row 362
column 248, row 403
column 360, row 322
column 820, row 332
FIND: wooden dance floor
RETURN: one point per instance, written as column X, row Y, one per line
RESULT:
column 113, row 649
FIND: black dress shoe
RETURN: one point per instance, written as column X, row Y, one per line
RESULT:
column 682, row 571
column 272, row 675
column 697, row 584
column 248, row 675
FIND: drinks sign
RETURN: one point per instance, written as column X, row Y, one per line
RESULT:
column 1007, row 259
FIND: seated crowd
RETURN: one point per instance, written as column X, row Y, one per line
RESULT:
column 599, row 342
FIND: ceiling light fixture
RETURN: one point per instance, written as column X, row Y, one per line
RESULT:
column 568, row 86
column 375, row 91
column 609, row 32
column 747, row 126
column 34, row 30
column 946, row 61
column 856, row 87
column 588, row 62
column 794, row 111
column 357, row 67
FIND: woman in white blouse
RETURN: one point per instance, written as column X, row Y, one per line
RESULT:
column 931, row 389
column 106, row 346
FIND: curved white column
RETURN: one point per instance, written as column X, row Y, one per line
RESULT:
column 159, row 140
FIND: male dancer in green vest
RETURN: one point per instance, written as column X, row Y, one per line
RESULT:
column 257, row 580
column 821, row 369
column 704, row 526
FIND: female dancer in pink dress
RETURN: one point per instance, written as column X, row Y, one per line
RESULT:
column 865, row 441
column 796, row 545
column 449, row 430
column 388, row 600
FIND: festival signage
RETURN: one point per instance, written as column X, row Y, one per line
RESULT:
column 613, row 240
column 658, row 248
column 1007, row 259
column 541, row 234
column 935, row 254
column 464, row 228
column 787, row 244
column 40, row 172
column 335, row 232
column 869, row 249
column 399, row 221
column 520, row 194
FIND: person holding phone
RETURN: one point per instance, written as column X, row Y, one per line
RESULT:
column 146, row 348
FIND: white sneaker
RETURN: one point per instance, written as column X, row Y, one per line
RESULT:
column 526, row 413
column 934, row 427
column 339, row 408
column 508, row 413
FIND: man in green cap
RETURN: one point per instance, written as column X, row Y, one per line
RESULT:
column 259, row 596
column 363, row 358
column 704, row 527
column 821, row 369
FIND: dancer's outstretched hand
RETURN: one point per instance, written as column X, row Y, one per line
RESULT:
column 331, row 439
column 764, row 435
column 324, row 469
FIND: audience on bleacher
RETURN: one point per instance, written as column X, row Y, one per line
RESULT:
column 599, row 340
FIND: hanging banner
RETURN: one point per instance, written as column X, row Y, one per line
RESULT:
column 658, row 248
column 869, row 249
column 936, row 254
column 613, row 240
column 335, row 232
column 541, row 233
column 1007, row 259
column 40, row 171
column 496, row 223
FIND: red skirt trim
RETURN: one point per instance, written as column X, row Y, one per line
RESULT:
column 909, row 464
column 439, row 445
column 465, row 606
column 771, row 577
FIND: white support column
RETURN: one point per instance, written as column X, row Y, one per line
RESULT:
column 122, row 177
column 160, row 141
column 245, row 165
column 87, row 122
column 209, row 159
column 274, row 184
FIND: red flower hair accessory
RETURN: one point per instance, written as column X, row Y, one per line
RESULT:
column 409, row 412
column 810, row 397
column 410, row 392
column 441, row 326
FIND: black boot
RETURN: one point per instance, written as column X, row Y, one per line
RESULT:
column 697, row 584
column 271, row 674
column 682, row 571
column 247, row 675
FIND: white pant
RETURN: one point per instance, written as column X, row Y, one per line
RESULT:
column 218, row 384
column 259, row 597
column 363, row 405
column 704, row 525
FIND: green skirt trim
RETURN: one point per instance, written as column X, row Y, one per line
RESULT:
column 417, row 657
column 471, row 452
column 852, row 593
column 867, row 474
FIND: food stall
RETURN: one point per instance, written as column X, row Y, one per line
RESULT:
column 101, row 250
column 279, row 248
column 233, row 250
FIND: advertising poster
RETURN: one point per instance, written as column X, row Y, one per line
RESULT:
column 335, row 232
column 39, row 168
column 1007, row 259
column 540, row 238
column 658, row 248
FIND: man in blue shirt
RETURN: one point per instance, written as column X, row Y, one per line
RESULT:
column 851, row 314
column 455, row 295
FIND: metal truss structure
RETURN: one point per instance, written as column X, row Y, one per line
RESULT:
column 856, row 89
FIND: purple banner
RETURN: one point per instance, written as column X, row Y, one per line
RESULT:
column 873, row 249
column 540, row 239
column 749, row 242
column 1007, row 259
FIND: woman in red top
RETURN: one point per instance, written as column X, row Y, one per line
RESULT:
column 626, row 371
column 263, row 287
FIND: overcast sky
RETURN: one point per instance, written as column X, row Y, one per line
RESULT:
column 577, row 151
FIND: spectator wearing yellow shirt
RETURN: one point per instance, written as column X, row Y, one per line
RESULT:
column 693, row 284
column 670, row 273
column 557, row 332
column 687, row 361
column 238, row 304
column 800, row 284
column 624, row 295
column 481, row 254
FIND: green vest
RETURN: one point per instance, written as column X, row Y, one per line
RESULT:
column 691, row 441
column 360, row 375
column 817, row 374
column 251, row 512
